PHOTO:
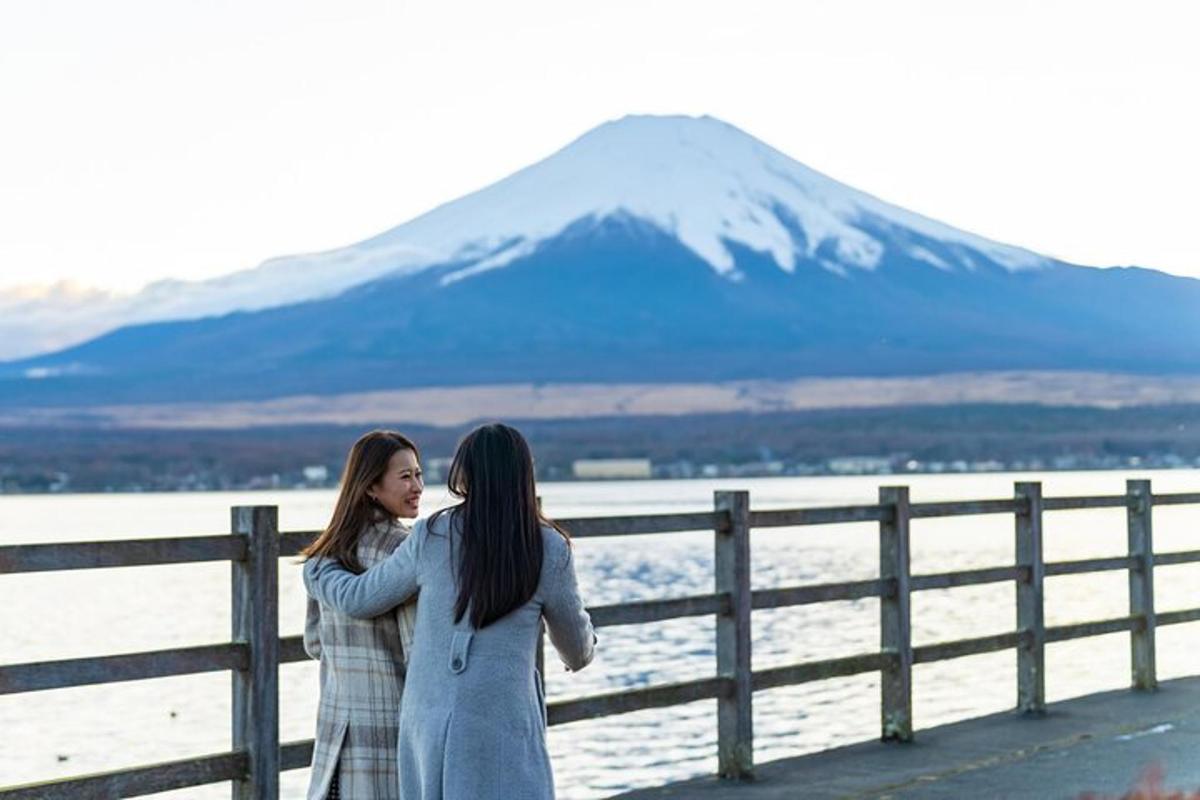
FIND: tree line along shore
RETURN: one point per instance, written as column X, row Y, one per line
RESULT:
column 884, row 440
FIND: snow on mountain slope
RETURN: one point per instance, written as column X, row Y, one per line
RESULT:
column 700, row 180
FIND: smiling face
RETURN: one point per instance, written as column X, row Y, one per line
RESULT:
column 399, row 490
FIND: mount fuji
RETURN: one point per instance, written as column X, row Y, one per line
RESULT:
column 651, row 249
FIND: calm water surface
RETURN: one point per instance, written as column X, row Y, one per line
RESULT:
column 83, row 613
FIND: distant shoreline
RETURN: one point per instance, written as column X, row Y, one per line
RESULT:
column 654, row 479
column 903, row 440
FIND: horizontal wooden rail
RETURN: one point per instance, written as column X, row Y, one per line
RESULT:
column 1082, row 630
column 603, row 705
column 1181, row 499
column 809, row 671
column 794, row 517
column 643, row 523
column 292, row 542
column 135, row 781
column 125, row 553
column 1089, row 565
column 643, row 611
column 1083, row 503
column 942, row 651
column 1181, row 557
column 1177, row 617
column 291, row 650
column 296, row 755
column 817, row 593
column 964, row 508
column 968, row 577
column 16, row 678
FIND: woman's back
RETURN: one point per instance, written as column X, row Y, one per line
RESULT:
column 472, row 724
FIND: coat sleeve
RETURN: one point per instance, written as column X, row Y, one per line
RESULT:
column 381, row 588
column 567, row 622
column 312, row 629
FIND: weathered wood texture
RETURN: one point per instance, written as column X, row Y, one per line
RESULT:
column 942, row 651
column 670, row 694
column 1089, row 565
column 256, row 624
column 1140, row 517
column 639, row 524
column 1031, row 614
column 16, row 678
column 296, row 755
column 1180, row 499
column 895, row 623
column 642, row 611
column 1083, row 503
column 1179, row 557
column 794, row 517
column 1083, row 630
column 816, row 593
column 731, row 564
column 126, row 553
column 810, row 671
column 134, row 782
column 963, row 508
column 968, row 577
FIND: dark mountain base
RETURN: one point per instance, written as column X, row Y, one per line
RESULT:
column 988, row 437
column 621, row 301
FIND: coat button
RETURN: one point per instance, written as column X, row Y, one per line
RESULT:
column 456, row 664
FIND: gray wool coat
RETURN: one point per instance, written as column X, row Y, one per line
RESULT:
column 362, row 677
column 473, row 719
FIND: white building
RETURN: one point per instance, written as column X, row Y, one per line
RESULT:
column 611, row 468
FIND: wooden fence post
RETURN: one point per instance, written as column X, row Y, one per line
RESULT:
column 1031, row 618
column 895, row 626
column 256, row 624
column 1141, row 583
column 735, row 716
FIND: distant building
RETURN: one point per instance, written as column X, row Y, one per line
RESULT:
column 316, row 474
column 436, row 469
column 860, row 465
column 611, row 468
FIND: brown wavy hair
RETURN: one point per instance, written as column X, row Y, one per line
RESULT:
column 366, row 464
column 500, row 562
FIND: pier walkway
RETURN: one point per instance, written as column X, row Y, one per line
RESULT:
column 1099, row 743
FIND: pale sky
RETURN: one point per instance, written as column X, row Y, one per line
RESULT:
column 143, row 139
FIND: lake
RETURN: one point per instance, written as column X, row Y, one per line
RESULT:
column 95, row 612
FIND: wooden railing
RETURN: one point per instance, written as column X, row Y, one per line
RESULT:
column 255, row 651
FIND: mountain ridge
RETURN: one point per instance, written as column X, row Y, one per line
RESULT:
column 496, row 233
column 650, row 249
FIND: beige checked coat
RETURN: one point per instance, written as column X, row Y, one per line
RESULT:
column 362, row 677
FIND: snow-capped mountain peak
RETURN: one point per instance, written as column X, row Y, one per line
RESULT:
column 702, row 181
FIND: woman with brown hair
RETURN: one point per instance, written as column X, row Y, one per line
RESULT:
column 363, row 661
column 489, row 570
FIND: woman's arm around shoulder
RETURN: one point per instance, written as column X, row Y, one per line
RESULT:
column 567, row 621
column 381, row 588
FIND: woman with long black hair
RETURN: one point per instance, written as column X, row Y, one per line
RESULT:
column 363, row 660
column 489, row 570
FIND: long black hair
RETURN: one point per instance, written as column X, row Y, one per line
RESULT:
column 500, row 562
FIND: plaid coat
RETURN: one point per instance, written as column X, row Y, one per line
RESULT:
column 362, row 676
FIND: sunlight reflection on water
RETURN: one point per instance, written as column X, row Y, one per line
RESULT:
column 93, row 612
